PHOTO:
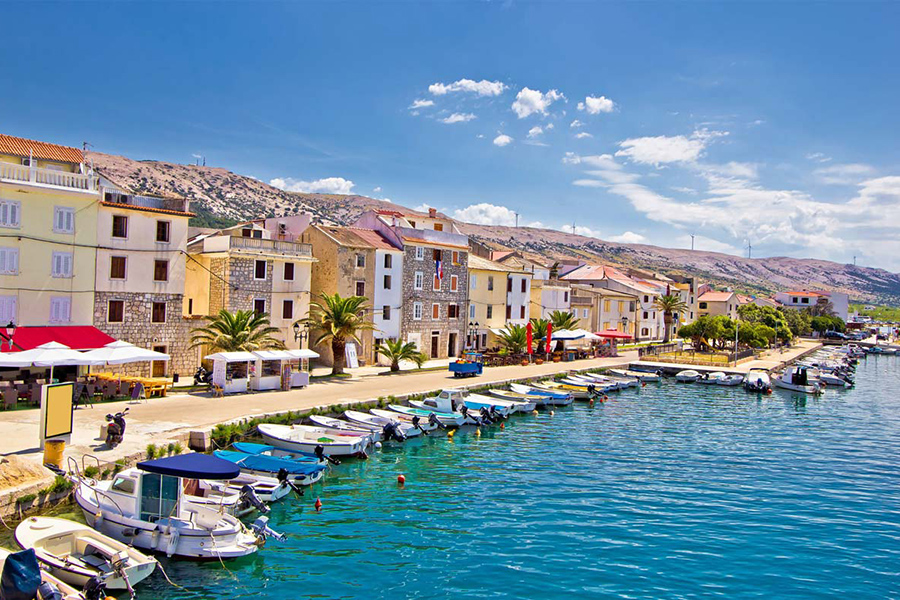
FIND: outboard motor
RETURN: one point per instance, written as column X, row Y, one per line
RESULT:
column 486, row 416
column 392, row 431
column 249, row 497
column 262, row 530
column 94, row 589
column 319, row 452
column 415, row 421
column 592, row 389
column 433, row 420
column 48, row 591
column 284, row 478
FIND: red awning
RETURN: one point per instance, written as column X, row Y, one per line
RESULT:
column 76, row 337
column 612, row 333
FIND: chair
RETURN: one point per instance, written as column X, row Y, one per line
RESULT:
column 35, row 398
column 137, row 392
column 110, row 389
column 217, row 390
column 10, row 397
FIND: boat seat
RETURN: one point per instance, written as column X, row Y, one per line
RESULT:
column 95, row 561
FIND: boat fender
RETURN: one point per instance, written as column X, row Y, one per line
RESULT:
column 552, row 413
column 401, row 479
column 378, row 445
column 129, row 532
column 173, row 543
column 591, row 402
column 643, row 384
column 318, row 505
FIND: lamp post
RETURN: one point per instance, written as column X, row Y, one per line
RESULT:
column 300, row 334
column 473, row 334
column 10, row 332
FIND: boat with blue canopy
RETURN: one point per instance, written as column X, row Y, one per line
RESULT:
column 302, row 473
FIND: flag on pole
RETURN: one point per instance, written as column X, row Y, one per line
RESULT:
column 549, row 335
column 528, row 330
column 439, row 269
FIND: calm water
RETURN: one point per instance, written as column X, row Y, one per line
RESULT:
column 674, row 491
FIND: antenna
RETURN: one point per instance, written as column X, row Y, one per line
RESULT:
column 854, row 260
column 573, row 227
column 692, row 242
column 517, row 220
column 749, row 249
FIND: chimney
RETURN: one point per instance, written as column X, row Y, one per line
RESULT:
column 432, row 212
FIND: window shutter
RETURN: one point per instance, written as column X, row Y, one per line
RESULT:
column 12, row 261
column 54, row 310
column 70, row 220
column 4, row 213
column 67, row 262
column 14, row 214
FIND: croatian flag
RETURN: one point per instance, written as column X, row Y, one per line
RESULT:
column 439, row 269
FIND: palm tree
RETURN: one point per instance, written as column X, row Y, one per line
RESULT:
column 244, row 330
column 396, row 350
column 670, row 305
column 339, row 320
column 563, row 320
column 514, row 338
column 539, row 330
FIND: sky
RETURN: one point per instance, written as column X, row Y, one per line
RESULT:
column 761, row 128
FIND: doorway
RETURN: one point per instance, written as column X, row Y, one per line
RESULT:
column 158, row 367
column 435, row 344
column 451, row 344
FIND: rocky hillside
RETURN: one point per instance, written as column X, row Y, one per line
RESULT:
column 220, row 197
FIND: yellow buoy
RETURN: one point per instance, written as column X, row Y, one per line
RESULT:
column 477, row 433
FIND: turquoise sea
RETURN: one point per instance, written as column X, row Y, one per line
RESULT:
column 673, row 491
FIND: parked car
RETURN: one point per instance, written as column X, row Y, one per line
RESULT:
column 835, row 335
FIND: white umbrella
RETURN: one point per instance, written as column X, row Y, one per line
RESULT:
column 119, row 353
column 51, row 354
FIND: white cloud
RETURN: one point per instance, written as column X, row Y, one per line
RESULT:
column 576, row 123
column 706, row 244
column 548, row 126
column 328, row 185
column 535, row 131
column 664, row 149
column 422, row 207
column 741, row 170
column 600, row 161
column 530, row 101
column 377, row 189
column 848, row 174
column 458, row 118
column 417, row 104
column 684, row 190
column 583, row 135
column 818, row 157
column 502, row 140
column 486, row 214
column 629, row 237
column 596, row 105
column 579, row 230
column 482, row 88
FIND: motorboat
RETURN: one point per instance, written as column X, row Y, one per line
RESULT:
column 687, row 376
column 423, row 424
column 797, row 379
column 720, row 378
column 387, row 433
column 525, row 402
column 472, row 405
column 550, row 397
column 306, row 438
column 29, row 558
column 757, row 381
column 75, row 553
column 639, row 375
column 515, row 405
column 146, row 507
column 312, row 458
column 260, row 465
column 446, row 419
column 597, row 384
column 580, row 392
column 373, row 422
column 731, row 380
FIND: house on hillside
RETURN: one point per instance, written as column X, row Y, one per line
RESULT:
column 800, row 299
column 601, row 309
column 715, row 304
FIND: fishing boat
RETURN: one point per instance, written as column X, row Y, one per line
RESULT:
column 75, row 553
column 551, row 397
column 797, row 379
column 454, row 419
column 687, row 376
column 423, row 424
column 525, row 402
column 639, row 375
column 306, row 438
column 28, row 557
column 145, row 507
column 757, row 380
column 260, row 465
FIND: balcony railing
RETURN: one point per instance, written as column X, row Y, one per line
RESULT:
column 47, row 177
column 224, row 243
column 118, row 197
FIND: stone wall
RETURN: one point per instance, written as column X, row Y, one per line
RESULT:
column 218, row 296
column 174, row 334
column 240, row 272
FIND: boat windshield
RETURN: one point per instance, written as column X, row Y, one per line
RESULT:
column 159, row 496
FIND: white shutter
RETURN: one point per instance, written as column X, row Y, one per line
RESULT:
column 68, row 262
column 7, row 309
column 70, row 220
column 14, row 214
column 12, row 261
column 4, row 213
column 54, row 310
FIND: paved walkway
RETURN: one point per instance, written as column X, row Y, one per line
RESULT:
column 772, row 360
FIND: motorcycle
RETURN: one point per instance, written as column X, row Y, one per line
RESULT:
column 202, row 376
column 115, row 428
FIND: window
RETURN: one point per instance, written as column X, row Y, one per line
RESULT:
column 509, row 285
column 162, row 231
column 115, row 311
column 287, row 309
column 360, row 288
column 645, row 331
column 257, row 233
column 454, row 283
column 420, row 280
column 606, row 326
column 646, row 298
column 804, row 300
column 508, row 312
column 388, row 261
column 117, row 266
column 521, row 312
column 60, row 309
column 702, row 306
column 386, row 312
column 9, row 262
column 524, row 285
column 436, row 254
column 190, row 306
column 435, row 311
column 360, row 260
column 63, row 219
column 158, row 312
column 490, row 311
column 606, row 305
column 436, row 283
column 259, row 306
column 646, row 315
column 584, row 313
column 795, row 300
column 417, row 311
column 472, row 281
column 452, row 311
column 120, row 226
column 455, row 257
column 420, row 253
column 9, row 213
column 565, row 296
column 7, row 309
column 490, row 283
column 160, row 270
column 245, row 232
column 471, row 311
column 61, row 265
column 438, row 226
column 387, row 282
column 259, row 269
column 288, row 271
column 621, row 306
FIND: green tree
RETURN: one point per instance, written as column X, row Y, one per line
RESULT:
column 539, row 331
column 244, row 330
column 670, row 305
column 799, row 321
column 768, row 316
column 396, row 351
column 563, row 320
column 707, row 330
column 338, row 320
column 514, row 338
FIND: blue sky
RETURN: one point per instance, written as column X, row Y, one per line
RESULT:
column 773, row 123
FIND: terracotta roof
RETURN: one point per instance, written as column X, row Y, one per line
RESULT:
column 374, row 238
column 589, row 272
column 42, row 150
column 433, row 243
column 483, row 264
column 500, row 254
column 806, row 293
column 716, row 297
column 164, row 211
column 393, row 213
column 357, row 237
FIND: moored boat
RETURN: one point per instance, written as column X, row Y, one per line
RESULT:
column 796, row 379
column 27, row 560
column 640, row 375
column 333, row 423
column 444, row 418
column 687, row 376
column 260, row 465
column 757, row 380
column 423, row 424
column 306, row 438
column 525, row 402
column 551, row 397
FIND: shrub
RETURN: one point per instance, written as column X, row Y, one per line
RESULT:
column 26, row 499
column 91, row 471
column 170, row 449
column 177, row 448
column 151, row 451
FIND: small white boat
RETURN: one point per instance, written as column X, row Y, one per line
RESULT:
column 340, row 424
column 381, row 424
column 687, row 376
column 454, row 400
column 797, row 379
column 75, row 553
column 305, row 438
column 416, row 422
column 720, row 378
column 731, row 380
column 757, row 381
column 639, row 375
column 524, row 402
column 68, row 592
column 580, row 392
column 550, row 397
column 453, row 419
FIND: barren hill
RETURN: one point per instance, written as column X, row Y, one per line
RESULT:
column 221, row 196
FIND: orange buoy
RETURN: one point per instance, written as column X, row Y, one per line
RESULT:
column 401, row 479
column 318, row 505
column 502, row 425
column 591, row 402
column 534, row 413
column 478, row 432
column 643, row 384
column 552, row 413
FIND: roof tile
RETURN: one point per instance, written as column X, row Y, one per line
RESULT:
column 41, row 150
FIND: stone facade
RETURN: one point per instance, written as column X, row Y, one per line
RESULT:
column 240, row 271
column 174, row 335
column 449, row 331
column 218, row 294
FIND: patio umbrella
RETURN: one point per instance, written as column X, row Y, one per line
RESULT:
column 529, row 333
column 51, row 354
column 120, row 353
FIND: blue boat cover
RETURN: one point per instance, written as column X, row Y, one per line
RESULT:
column 191, row 466
column 269, row 464
column 251, row 448
column 21, row 576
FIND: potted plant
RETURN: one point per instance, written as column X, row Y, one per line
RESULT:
column 525, row 362
column 539, row 361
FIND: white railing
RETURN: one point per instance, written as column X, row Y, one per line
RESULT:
column 251, row 243
column 48, row 177
column 118, row 197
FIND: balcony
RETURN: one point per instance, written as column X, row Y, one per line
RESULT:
column 51, row 178
column 114, row 196
column 250, row 245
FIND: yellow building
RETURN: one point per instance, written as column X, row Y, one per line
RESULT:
column 498, row 295
column 48, row 234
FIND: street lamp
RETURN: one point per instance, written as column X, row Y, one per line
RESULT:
column 473, row 334
column 300, row 334
column 10, row 332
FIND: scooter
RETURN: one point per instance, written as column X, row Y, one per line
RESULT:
column 115, row 428
column 202, row 376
